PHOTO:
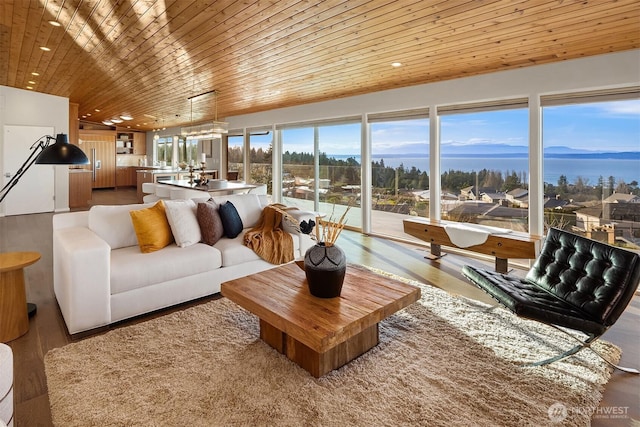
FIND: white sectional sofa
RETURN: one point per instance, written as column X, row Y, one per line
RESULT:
column 101, row 276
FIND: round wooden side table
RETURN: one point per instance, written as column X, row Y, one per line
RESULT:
column 14, row 320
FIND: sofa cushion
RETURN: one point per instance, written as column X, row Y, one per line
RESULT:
column 247, row 205
column 181, row 215
column 152, row 228
column 131, row 269
column 210, row 223
column 234, row 251
column 231, row 221
column 113, row 224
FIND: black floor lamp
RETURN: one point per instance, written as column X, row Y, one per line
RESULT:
column 60, row 153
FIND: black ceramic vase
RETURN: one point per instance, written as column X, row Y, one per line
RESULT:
column 325, row 267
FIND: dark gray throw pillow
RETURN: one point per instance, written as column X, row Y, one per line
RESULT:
column 211, row 228
column 231, row 221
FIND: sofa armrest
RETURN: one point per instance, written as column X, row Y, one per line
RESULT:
column 70, row 219
column 81, row 278
column 299, row 216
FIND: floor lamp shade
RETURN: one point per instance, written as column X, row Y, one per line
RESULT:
column 62, row 153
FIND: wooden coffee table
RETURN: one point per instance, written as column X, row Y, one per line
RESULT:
column 319, row 334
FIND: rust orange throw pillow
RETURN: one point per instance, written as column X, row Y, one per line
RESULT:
column 152, row 228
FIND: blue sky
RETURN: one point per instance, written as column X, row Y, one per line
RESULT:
column 606, row 126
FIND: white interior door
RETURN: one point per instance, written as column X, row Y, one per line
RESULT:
column 35, row 190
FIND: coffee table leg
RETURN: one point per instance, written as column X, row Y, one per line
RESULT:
column 272, row 336
column 319, row 364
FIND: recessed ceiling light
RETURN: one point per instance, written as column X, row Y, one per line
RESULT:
column 31, row 82
column 396, row 64
column 46, row 49
column 29, row 87
column 97, row 110
column 35, row 74
column 55, row 23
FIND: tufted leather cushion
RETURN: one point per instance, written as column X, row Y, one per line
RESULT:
column 588, row 274
column 575, row 282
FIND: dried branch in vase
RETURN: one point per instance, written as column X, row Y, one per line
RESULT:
column 331, row 229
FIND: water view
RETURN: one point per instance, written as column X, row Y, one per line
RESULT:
column 627, row 170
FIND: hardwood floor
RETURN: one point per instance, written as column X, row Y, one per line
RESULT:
column 48, row 331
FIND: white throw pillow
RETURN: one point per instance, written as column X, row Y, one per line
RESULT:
column 183, row 220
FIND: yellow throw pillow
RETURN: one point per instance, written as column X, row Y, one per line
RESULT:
column 152, row 228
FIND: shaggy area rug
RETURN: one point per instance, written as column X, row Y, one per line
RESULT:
column 442, row 361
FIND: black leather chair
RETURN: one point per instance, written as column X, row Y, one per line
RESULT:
column 575, row 283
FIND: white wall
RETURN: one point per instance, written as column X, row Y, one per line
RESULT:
column 28, row 108
column 595, row 72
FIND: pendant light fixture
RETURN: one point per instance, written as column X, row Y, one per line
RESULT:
column 207, row 130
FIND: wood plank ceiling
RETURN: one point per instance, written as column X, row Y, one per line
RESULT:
column 147, row 57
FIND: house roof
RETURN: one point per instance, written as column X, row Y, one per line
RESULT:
column 554, row 203
column 622, row 198
column 151, row 59
column 488, row 209
column 592, row 211
column 517, row 193
column 495, row 196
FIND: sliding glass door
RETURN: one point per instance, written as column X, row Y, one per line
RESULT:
column 321, row 168
column 399, row 170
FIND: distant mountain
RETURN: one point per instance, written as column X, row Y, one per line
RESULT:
column 506, row 151
column 560, row 149
column 512, row 151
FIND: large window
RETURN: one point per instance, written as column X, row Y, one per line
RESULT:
column 163, row 149
column 260, row 157
column 298, row 162
column 176, row 149
column 484, row 162
column 399, row 170
column 321, row 168
column 235, row 155
column 592, row 167
column 188, row 150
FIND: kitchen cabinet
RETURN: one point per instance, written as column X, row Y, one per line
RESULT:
column 139, row 143
column 131, row 143
column 79, row 188
column 126, row 176
column 100, row 147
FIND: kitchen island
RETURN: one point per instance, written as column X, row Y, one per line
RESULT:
column 156, row 175
column 215, row 186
